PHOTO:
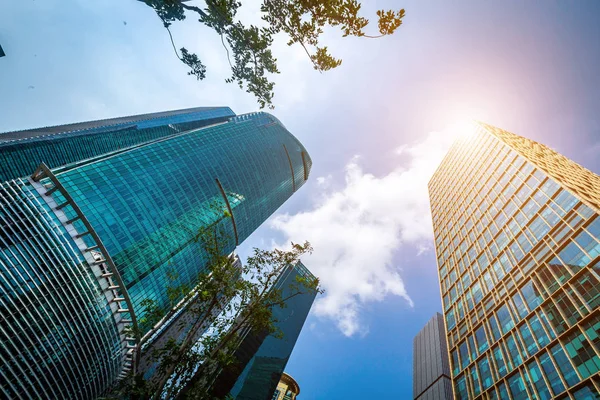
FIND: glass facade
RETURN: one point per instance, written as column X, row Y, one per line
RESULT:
column 58, row 336
column 148, row 204
column 23, row 151
column 262, row 358
column 517, row 237
column 143, row 187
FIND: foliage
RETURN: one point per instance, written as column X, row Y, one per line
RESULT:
column 249, row 47
column 246, row 297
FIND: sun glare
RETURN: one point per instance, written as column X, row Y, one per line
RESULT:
column 462, row 128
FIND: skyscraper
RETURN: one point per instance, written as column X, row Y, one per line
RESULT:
column 431, row 370
column 517, row 236
column 115, row 220
column 261, row 358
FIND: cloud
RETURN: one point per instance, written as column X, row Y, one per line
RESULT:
column 357, row 230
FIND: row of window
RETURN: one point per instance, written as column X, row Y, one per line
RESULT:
column 546, row 279
column 549, row 373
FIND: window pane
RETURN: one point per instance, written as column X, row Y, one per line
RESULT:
column 513, row 350
column 538, row 331
column 582, row 354
column 563, row 364
column 506, row 322
column 532, row 296
column 482, row 343
column 485, row 373
column 475, row 380
column 500, row 364
column 517, row 388
column 519, row 305
column 589, row 288
column 588, row 392
column 530, row 345
column 551, row 373
column 538, row 381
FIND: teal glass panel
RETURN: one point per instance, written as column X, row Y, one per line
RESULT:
column 532, row 296
column 485, row 373
column 482, row 342
column 494, row 327
column 538, row 381
column 461, row 389
column 512, row 347
column 499, row 360
column 564, row 365
column 502, row 392
column 517, row 388
column 588, row 287
column 530, row 344
column 538, row 331
column 587, row 392
column 464, row 354
column 582, row 354
column 506, row 321
column 475, row 381
column 551, row 374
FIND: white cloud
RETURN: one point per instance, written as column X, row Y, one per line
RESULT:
column 356, row 231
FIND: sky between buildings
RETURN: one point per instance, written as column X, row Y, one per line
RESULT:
column 376, row 128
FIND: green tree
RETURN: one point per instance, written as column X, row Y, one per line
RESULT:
column 228, row 302
column 249, row 47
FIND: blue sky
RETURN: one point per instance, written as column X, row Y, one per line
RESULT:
column 375, row 128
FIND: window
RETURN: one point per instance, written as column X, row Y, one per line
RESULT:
column 455, row 363
column 485, row 373
column 461, row 389
column 589, row 244
column 538, row 380
column 565, row 304
column 582, row 354
column 519, row 305
column 464, row 354
column 517, row 388
column 500, row 363
column 563, row 364
column 512, row 347
column 475, row 380
column 551, row 373
column 574, row 257
column 532, row 296
column 506, row 322
column 530, row 344
column 554, row 317
column 588, row 392
column 482, row 343
column 494, row 327
column 538, row 331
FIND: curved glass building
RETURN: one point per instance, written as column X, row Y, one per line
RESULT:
column 128, row 211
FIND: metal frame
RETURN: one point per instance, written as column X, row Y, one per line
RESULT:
column 291, row 168
column 235, row 232
column 99, row 261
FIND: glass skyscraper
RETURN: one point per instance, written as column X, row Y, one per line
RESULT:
column 99, row 216
column 261, row 358
column 517, row 237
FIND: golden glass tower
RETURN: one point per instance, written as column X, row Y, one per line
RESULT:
column 517, row 237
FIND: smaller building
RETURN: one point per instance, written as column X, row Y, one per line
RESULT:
column 2, row 54
column 287, row 388
column 431, row 370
